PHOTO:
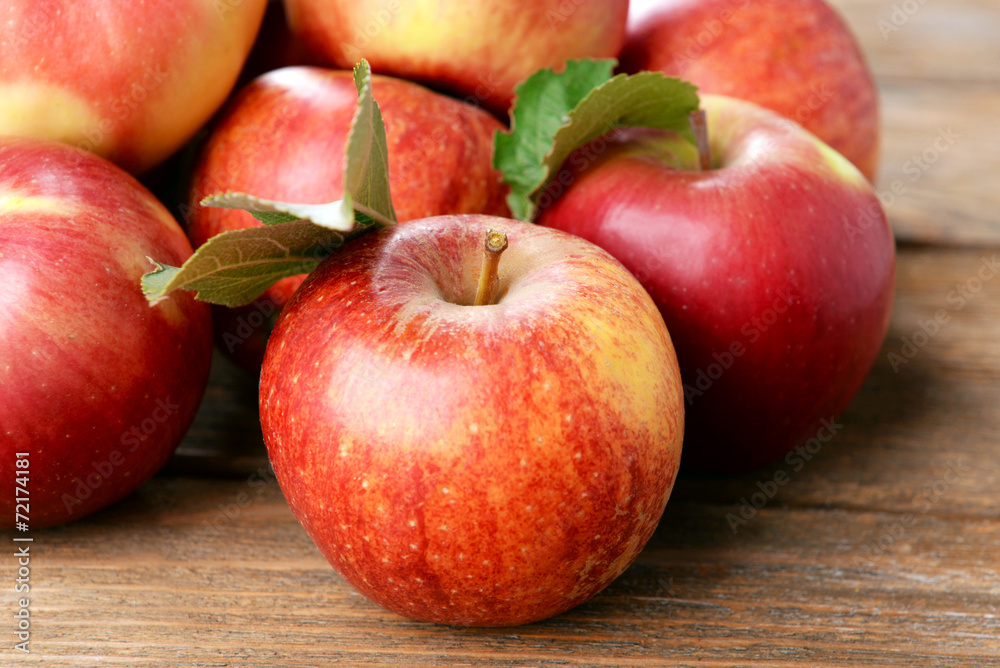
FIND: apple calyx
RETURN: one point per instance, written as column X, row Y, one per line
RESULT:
column 489, row 278
column 698, row 120
column 556, row 113
column 235, row 267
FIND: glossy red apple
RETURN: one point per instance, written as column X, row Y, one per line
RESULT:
column 479, row 51
column 796, row 57
column 130, row 81
column 470, row 464
column 283, row 138
column 774, row 271
column 96, row 387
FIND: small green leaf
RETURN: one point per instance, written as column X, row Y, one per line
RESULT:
column 366, row 160
column 554, row 114
column 235, row 267
column 156, row 283
column 541, row 106
column 337, row 215
column 269, row 217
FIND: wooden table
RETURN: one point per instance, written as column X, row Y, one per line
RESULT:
column 882, row 549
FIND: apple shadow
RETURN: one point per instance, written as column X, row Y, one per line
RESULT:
column 225, row 440
column 890, row 397
column 713, row 518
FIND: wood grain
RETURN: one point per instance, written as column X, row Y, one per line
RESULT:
column 881, row 550
column 938, row 69
column 923, row 40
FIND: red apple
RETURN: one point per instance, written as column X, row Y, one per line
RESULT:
column 130, row 81
column 774, row 271
column 96, row 387
column 796, row 57
column 478, row 51
column 283, row 138
column 470, row 464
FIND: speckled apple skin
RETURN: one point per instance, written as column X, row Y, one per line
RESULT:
column 473, row 465
column 781, row 253
column 130, row 81
column 283, row 138
column 477, row 51
column 84, row 359
column 796, row 57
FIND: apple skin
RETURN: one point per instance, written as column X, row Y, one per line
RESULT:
column 477, row 51
column 796, row 57
column 473, row 465
column 774, row 271
column 97, row 386
column 130, row 81
column 283, row 138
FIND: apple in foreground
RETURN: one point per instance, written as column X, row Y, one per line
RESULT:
column 774, row 270
column 283, row 138
column 130, row 81
column 480, row 462
column 477, row 51
column 796, row 57
column 96, row 387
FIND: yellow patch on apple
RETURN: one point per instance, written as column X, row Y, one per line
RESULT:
column 19, row 204
column 842, row 166
column 37, row 109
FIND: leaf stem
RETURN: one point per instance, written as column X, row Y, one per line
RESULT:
column 489, row 279
column 378, row 218
column 699, row 126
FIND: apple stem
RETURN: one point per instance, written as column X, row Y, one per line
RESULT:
column 699, row 126
column 489, row 279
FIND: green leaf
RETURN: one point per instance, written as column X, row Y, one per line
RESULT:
column 235, row 267
column 156, row 283
column 366, row 168
column 337, row 215
column 541, row 106
column 554, row 114
column 268, row 217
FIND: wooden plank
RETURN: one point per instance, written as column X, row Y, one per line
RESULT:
column 872, row 553
column 881, row 549
column 924, row 428
column 936, row 66
column 940, row 158
column 698, row 594
column 928, row 40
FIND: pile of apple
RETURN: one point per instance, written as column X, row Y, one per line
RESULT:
column 487, row 289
